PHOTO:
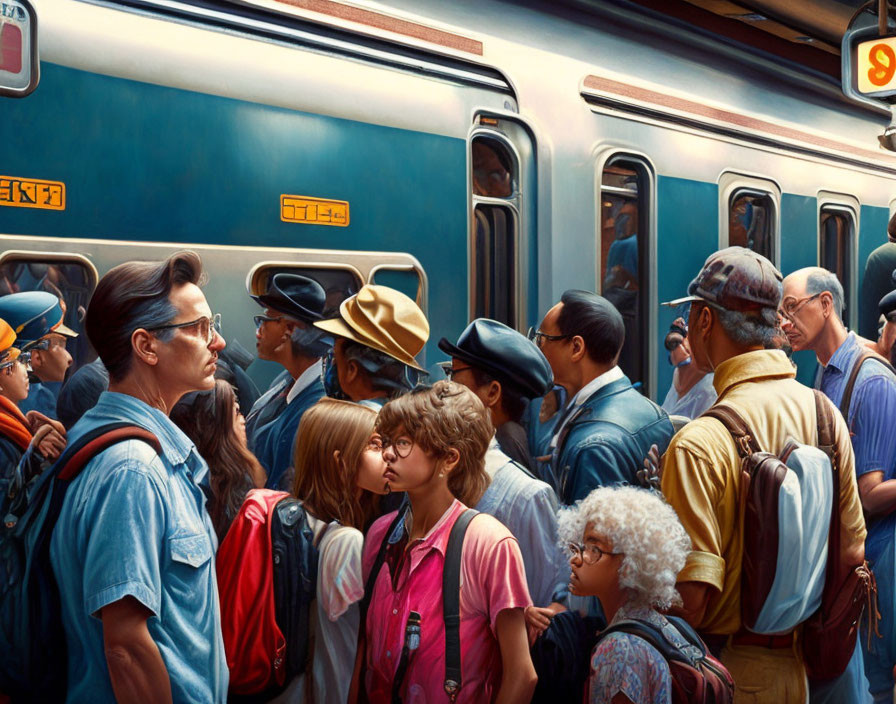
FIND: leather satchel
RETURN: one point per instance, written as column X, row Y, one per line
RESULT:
column 830, row 634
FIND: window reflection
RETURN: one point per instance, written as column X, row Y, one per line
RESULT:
column 835, row 248
column 750, row 222
column 492, row 169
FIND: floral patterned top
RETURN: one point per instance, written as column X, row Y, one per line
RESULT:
column 625, row 663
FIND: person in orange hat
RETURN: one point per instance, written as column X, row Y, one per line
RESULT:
column 379, row 333
column 18, row 432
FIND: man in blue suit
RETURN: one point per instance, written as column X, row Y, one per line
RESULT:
column 607, row 428
column 286, row 335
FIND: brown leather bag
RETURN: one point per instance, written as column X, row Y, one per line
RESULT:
column 830, row 633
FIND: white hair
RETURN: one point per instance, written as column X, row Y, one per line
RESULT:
column 640, row 524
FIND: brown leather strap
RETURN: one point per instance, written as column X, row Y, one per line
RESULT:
column 846, row 399
column 744, row 440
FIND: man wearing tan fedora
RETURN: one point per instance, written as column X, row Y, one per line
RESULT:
column 378, row 333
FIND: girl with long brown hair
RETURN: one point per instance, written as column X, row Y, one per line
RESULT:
column 339, row 471
column 212, row 420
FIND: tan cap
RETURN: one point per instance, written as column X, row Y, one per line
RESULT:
column 383, row 319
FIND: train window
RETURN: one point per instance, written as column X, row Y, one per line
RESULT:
column 494, row 240
column 494, row 263
column 407, row 279
column 339, row 283
column 493, row 168
column 622, row 266
column 71, row 278
column 751, row 221
column 836, row 239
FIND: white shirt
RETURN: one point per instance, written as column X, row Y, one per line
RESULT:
column 586, row 392
column 306, row 378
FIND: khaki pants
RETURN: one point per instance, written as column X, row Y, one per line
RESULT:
column 766, row 676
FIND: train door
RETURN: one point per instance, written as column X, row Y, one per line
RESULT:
column 502, row 183
column 838, row 223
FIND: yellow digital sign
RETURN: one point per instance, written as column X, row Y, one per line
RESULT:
column 32, row 193
column 876, row 64
column 313, row 211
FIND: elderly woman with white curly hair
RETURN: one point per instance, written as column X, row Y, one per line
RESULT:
column 626, row 547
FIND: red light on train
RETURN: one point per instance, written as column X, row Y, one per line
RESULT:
column 10, row 48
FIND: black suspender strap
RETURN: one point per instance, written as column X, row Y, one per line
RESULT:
column 451, row 602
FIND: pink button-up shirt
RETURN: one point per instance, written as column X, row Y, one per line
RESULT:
column 492, row 579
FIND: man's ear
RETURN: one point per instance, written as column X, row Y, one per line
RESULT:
column 351, row 371
column 578, row 348
column 493, row 394
column 827, row 303
column 36, row 360
column 145, row 346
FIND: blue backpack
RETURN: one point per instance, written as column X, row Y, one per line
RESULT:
column 32, row 638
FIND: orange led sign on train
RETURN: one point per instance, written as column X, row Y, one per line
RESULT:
column 313, row 211
column 32, row 193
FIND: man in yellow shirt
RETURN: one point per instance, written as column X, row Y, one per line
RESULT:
column 732, row 322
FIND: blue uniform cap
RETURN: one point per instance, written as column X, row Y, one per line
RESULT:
column 33, row 315
column 504, row 354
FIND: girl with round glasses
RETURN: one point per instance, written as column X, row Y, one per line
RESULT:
column 434, row 445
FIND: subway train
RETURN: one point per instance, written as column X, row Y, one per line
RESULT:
column 481, row 156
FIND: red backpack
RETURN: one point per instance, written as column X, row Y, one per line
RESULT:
column 267, row 580
column 696, row 676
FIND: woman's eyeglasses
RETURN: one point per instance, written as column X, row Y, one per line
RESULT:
column 589, row 554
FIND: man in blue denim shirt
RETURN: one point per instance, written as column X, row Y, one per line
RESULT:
column 133, row 550
column 811, row 308
column 606, row 430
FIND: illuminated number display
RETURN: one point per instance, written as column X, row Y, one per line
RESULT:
column 876, row 63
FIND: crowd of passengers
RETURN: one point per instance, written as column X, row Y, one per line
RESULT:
column 595, row 506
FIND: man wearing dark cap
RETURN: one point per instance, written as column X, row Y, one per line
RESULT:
column 886, row 340
column 733, row 318
column 504, row 370
column 876, row 281
column 36, row 317
column 285, row 334
column 859, row 382
column 607, row 428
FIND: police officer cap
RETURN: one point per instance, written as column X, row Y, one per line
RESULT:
column 887, row 304
column 294, row 296
column 503, row 354
column 33, row 315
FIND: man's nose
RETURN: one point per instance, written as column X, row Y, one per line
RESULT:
column 218, row 342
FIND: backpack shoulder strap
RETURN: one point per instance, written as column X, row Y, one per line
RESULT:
column 825, row 421
column 451, row 602
column 744, row 440
column 76, row 456
column 846, row 399
column 648, row 632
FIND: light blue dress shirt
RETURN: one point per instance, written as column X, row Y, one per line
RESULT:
column 134, row 524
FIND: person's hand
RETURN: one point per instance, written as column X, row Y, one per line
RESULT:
column 36, row 420
column 537, row 621
column 48, row 441
column 650, row 476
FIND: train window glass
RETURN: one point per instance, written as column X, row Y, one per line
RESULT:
column 751, row 219
column 72, row 280
column 494, row 263
column 836, row 236
column 338, row 283
column 405, row 280
column 493, row 168
column 622, row 267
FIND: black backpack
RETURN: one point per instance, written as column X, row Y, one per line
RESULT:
column 32, row 639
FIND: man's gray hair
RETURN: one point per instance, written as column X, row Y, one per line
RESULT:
column 750, row 329
column 821, row 281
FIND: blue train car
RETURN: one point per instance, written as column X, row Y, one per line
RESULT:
column 481, row 156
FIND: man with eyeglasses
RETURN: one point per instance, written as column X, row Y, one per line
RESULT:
column 285, row 334
column 37, row 317
column 133, row 549
column 607, row 428
column 860, row 383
